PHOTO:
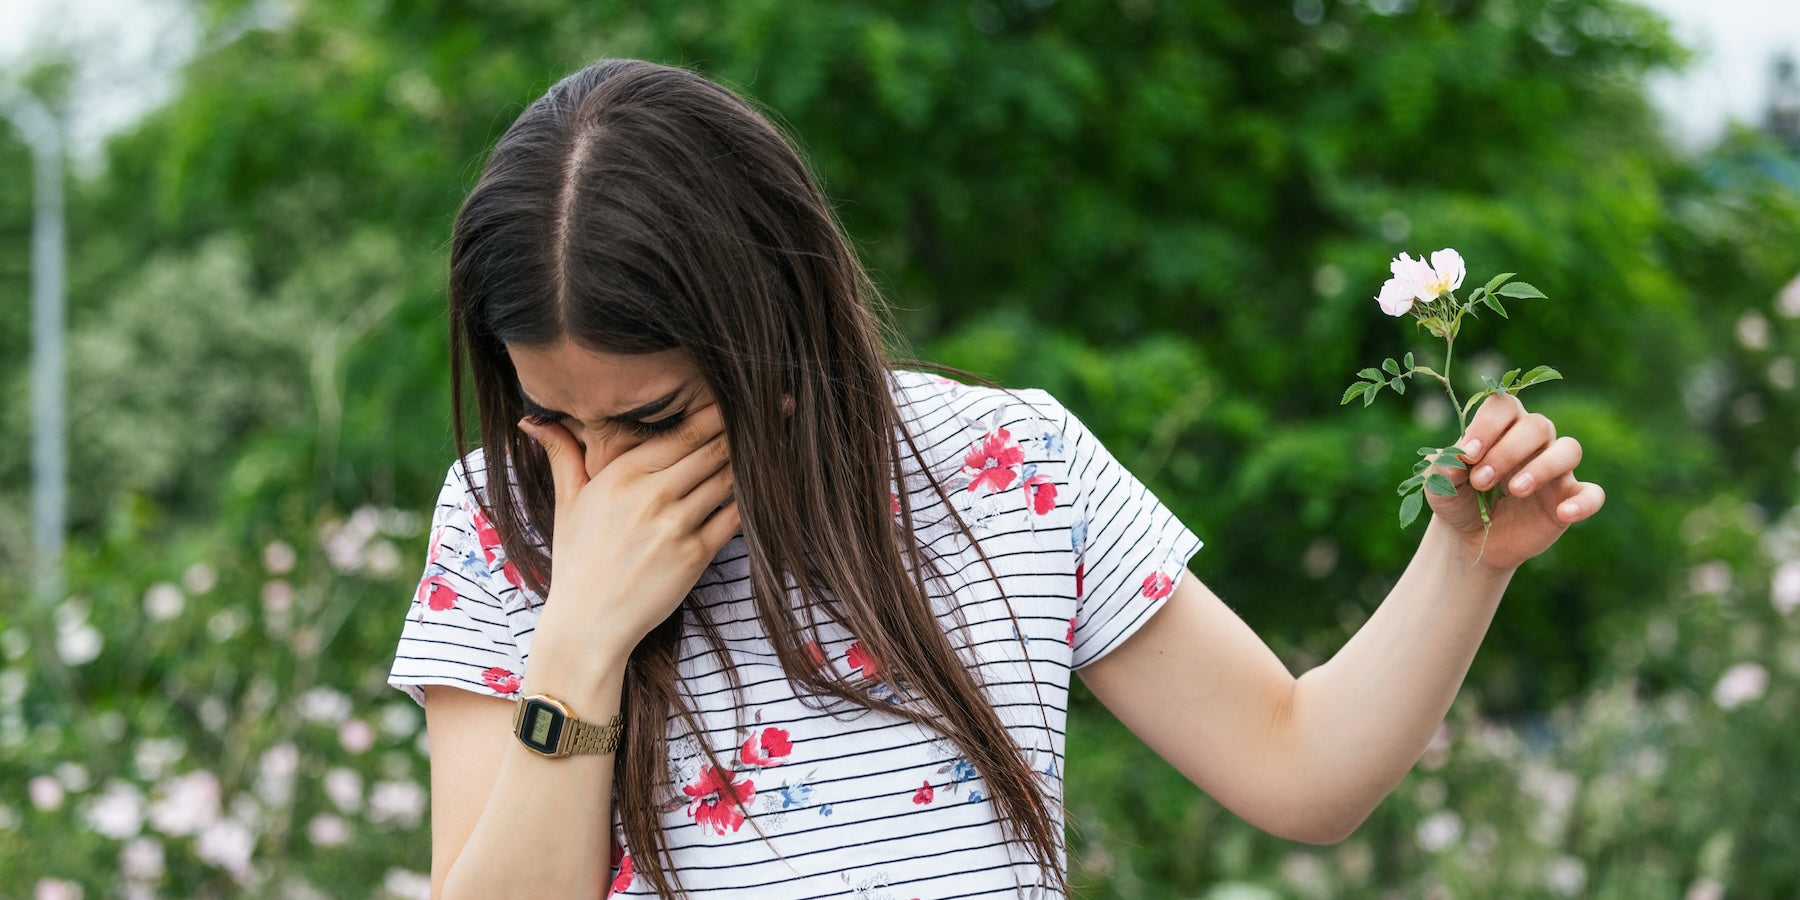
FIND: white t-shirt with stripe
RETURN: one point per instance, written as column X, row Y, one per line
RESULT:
column 854, row 803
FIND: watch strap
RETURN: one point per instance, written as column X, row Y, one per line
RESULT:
column 582, row 738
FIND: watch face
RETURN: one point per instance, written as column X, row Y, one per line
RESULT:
column 540, row 727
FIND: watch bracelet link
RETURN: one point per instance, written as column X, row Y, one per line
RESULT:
column 593, row 737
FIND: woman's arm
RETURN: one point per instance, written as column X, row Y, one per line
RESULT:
column 506, row 822
column 629, row 543
column 1309, row 758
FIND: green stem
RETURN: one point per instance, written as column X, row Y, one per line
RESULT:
column 1449, row 350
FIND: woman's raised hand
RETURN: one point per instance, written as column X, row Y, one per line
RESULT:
column 1520, row 453
column 631, row 541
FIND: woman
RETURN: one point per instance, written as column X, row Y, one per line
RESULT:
column 724, row 593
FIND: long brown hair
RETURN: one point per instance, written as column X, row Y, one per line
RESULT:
column 636, row 208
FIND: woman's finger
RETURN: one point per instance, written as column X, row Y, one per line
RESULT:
column 719, row 527
column 665, row 450
column 1561, row 459
column 686, row 474
column 708, row 495
column 1496, row 415
column 1587, row 499
column 1525, row 438
column 568, row 468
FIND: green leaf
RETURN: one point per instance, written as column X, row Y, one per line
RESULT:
column 1389, row 366
column 1427, row 451
column 1455, row 451
column 1408, row 362
column 1497, row 281
column 1410, row 506
column 1507, row 380
column 1371, row 373
column 1539, row 374
column 1354, row 391
column 1410, row 485
column 1369, row 398
column 1494, row 304
column 1449, row 461
column 1492, row 385
column 1421, row 466
column 1398, row 386
column 1439, row 483
column 1519, row 290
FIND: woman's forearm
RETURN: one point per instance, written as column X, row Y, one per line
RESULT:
column 1361, row 720
column 545, row 831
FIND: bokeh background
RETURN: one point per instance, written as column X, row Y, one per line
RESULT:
column 1173, row 215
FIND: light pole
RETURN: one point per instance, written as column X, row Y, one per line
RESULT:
column 49, row 477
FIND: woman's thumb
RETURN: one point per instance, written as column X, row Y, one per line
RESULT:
column 567, row 468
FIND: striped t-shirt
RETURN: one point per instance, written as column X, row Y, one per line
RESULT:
column 858, row 804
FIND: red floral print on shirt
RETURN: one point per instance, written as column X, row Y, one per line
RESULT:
column 815, row 654
column 1158, row 586
column 924, row 795
column 770, row 748
column 993, row 462
column 501, row 680
column 487, row 535
column 1071, row 637
column 622, row 880
column 716, row 799
column 621, row 861
column 1041, row 492
column 436, row 593
column 1080, row 575
column 858, row 658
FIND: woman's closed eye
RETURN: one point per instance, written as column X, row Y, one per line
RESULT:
column 637, row 427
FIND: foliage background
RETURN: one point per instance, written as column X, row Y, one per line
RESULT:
column 1172, row 215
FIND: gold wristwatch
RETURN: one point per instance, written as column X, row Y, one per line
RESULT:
column 545, row 726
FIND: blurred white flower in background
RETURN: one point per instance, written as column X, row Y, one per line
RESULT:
column 275, row 775
column 399, row 720
column 356, row 736
column 324, row 706
column 1555, row 791
column 1740, row 684
column 1708, row 888
column 1439, row 831
column 77, row 642
column 118, row 812
column 1712, row 577
column 227, row 844
column 200, row 578
column 1784, row 588
column 226, row 623
column 141, row 859
column 403, row 885
column 1565, row 875
column 278, row 557
column 163, row 601
column 186, row 804
column 46, row 793
column 402, row 802
column 383, row 559
column 327, row 830
column 56, row 889
column 74, row 776
column 154, row 756
column 344, row 788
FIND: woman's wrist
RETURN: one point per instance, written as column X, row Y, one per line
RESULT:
column 586, row 676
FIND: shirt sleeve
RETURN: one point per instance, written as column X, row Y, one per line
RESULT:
column 457, row 630
column 1130, row 550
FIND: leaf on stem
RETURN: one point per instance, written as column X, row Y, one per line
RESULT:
column 1410, row 485
column 1439, row 483
column 1496, row 281
column 1410, row 506
column 1507, row 380
column 1354, row 391
column 1537, row 375
column 1494, row 304
column 1389, row 366
column 1409, row 362
column 1371, row 373
column 1519, row 290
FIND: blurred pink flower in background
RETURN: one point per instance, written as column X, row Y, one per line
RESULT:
column 327, row 830
column 186, row 804
column 56, row 889
column 344, row 788
column 163, row 601
column 141, row 859
column 1740, row 684
column 1784, row 590
column 227, row 844
column 402, row 802
column 46, row 793
column 118, row 812
column 356, row 736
